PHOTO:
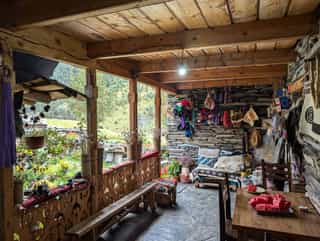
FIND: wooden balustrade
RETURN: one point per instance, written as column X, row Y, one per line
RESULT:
column 49, row 220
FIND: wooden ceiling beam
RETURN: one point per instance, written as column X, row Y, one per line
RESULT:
column 277, row 71
column 224, row 83
column 260, row 58
column 24, row 14
column 274, row 29
column 127, row 69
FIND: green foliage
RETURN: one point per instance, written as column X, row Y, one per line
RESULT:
column 174, row 168
column 52, row 165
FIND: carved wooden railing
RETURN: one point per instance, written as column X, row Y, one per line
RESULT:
column 49, row 220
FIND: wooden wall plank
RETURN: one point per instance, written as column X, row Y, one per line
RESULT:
column 215, row 12
column 188, row 12
column 121, row 25
column 141, row 21
column 272, row 8
column 302, row 6
column 243, row 10
column 162, row 16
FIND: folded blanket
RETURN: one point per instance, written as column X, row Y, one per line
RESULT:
column 265, row 202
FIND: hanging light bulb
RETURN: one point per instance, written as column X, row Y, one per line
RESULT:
column 182, row 70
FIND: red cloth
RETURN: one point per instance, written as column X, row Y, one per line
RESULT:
column 252, row 188
column 266, row 202
column 185, row 103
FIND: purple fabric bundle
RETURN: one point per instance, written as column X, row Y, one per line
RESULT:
column 7, row 126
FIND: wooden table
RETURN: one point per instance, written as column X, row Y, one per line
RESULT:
column 302, row 226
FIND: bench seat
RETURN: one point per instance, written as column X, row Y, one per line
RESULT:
column 117, row 209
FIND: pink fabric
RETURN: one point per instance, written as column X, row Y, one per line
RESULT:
column 266, row 202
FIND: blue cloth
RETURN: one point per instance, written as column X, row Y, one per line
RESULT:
column 7, row 126
column 207, row 161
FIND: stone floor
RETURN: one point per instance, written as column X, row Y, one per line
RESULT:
column 196, row 218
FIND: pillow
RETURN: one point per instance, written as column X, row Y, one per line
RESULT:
column 206, row 161
column 230, row 163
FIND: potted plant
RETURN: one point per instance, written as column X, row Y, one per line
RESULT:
column 174, row 170
column 18, row 184
column 34, row 137
column 186, row 163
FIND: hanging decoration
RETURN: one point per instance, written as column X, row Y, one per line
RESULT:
column 184, row 110
column 7, row 120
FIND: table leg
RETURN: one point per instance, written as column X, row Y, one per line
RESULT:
column 242, row 235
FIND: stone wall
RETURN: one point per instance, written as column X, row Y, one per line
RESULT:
column 214, row 136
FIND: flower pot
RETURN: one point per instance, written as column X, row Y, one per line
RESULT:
column 34, row 142
column 18, row 191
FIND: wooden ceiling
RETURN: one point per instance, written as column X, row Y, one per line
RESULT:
column 215, row 37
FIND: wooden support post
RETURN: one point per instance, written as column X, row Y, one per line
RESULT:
column 133, row 116
column 157, row 124
column 6, row 174
column 92, row 94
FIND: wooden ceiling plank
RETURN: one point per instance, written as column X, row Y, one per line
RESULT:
column 243, row 10
column 260, row 58
column 103, row 28
column 224, row 83
column 47, row 43
column 247, row 47
column 215, row 12
column 161, row 15
column 286, row 43
column 38, row 13
column 272, row 8
column 125, row 69
column 277, row 71
column 298, row 7
column 141, row 21
column 221, row 36
column 79, row 31
column 188, row 12
column 120, row 24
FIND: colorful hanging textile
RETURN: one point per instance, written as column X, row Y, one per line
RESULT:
column 7, row 120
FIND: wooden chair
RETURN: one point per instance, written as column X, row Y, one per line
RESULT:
column 276, row 172
column 226, row 231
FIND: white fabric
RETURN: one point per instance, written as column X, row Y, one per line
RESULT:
column 208, row 152
column 305, row 127
column 230, row 163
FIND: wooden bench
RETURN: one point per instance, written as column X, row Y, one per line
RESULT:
column 107, row 217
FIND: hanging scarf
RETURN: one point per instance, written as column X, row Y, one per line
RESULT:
column 7, row 124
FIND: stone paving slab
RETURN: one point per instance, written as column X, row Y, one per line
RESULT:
column 196, row 218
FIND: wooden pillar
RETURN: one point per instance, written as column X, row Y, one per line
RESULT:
column 6, row 174
column 133, row 117
column 92, row 94
column 157, row 124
